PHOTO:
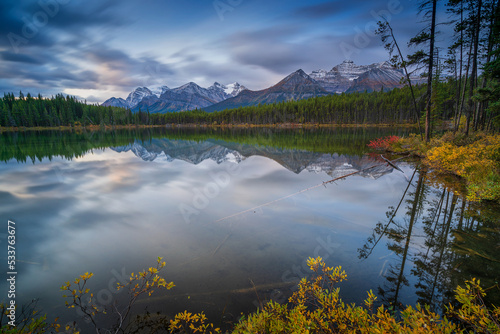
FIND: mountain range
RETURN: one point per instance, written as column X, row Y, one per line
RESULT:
column 186, row 97
column 343, row 78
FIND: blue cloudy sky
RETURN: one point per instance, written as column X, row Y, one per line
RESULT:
column 98, row 49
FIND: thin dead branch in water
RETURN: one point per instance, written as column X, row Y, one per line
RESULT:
column 261, row 287
column 256, row 293
column 304, row 190
column 220, row 245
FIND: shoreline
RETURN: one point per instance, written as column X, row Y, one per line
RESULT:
column 204, row 126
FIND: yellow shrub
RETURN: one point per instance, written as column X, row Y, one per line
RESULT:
column 317, row 308
column 476, row 162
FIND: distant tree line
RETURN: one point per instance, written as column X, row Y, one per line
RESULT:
column 29, row 111
column 392, row 107
column 359, row 108
column 355, row 108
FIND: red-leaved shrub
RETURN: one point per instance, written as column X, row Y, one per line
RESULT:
column 383, row 143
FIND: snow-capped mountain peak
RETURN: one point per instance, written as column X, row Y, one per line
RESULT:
column 137, row 95
column 158, row 91
column 318, row 74
column 190, row 88
column 229, row 90
column 348, row 77
column 115, row 102
column 350, row 70
column 234, row 89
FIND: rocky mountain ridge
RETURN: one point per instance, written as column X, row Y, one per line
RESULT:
column 346, row 77
column 186, row 97
column 295, row 86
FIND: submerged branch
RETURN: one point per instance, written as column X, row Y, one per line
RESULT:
column 302, row 191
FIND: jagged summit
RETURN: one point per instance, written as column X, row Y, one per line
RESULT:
column 137, row 95
column 344, row 77
column 234, row 89
column 296, row 86
column 300, row 72
column 159, row 90
column 186, row 97
column 297, row 81
column 230, row 90
column 115, row 102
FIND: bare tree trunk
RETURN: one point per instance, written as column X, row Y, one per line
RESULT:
column 481, row 116
column 473, row 77
column 429, row 78
column 417, row 114
column 458, row 111
column 462, row 100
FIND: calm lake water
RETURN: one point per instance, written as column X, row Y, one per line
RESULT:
column 226, row 210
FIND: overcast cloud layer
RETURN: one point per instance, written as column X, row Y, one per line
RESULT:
column 98, row 49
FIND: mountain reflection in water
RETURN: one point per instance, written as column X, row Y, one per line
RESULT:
column 296, row 161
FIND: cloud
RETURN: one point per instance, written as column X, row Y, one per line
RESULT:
column 121, row 70
column 19, row 58
column 318, row 11
column 42, row 23
column 280, row 54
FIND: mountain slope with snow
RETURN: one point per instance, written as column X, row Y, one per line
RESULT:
column 349, row 77
column 188, row 97
column 137, row 95
column 115, row 102
column 295, row 86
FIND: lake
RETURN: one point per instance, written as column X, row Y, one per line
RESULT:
column 235, row 213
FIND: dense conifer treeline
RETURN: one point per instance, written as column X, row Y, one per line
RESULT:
column 27, row 111
column 393, row 107
column 356, row 108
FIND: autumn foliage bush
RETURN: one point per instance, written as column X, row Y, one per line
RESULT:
column 383, row 144
column 475, row 158
column 478, row 162
column 316, row 307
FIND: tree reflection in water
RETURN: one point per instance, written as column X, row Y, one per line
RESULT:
column 441, row 241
